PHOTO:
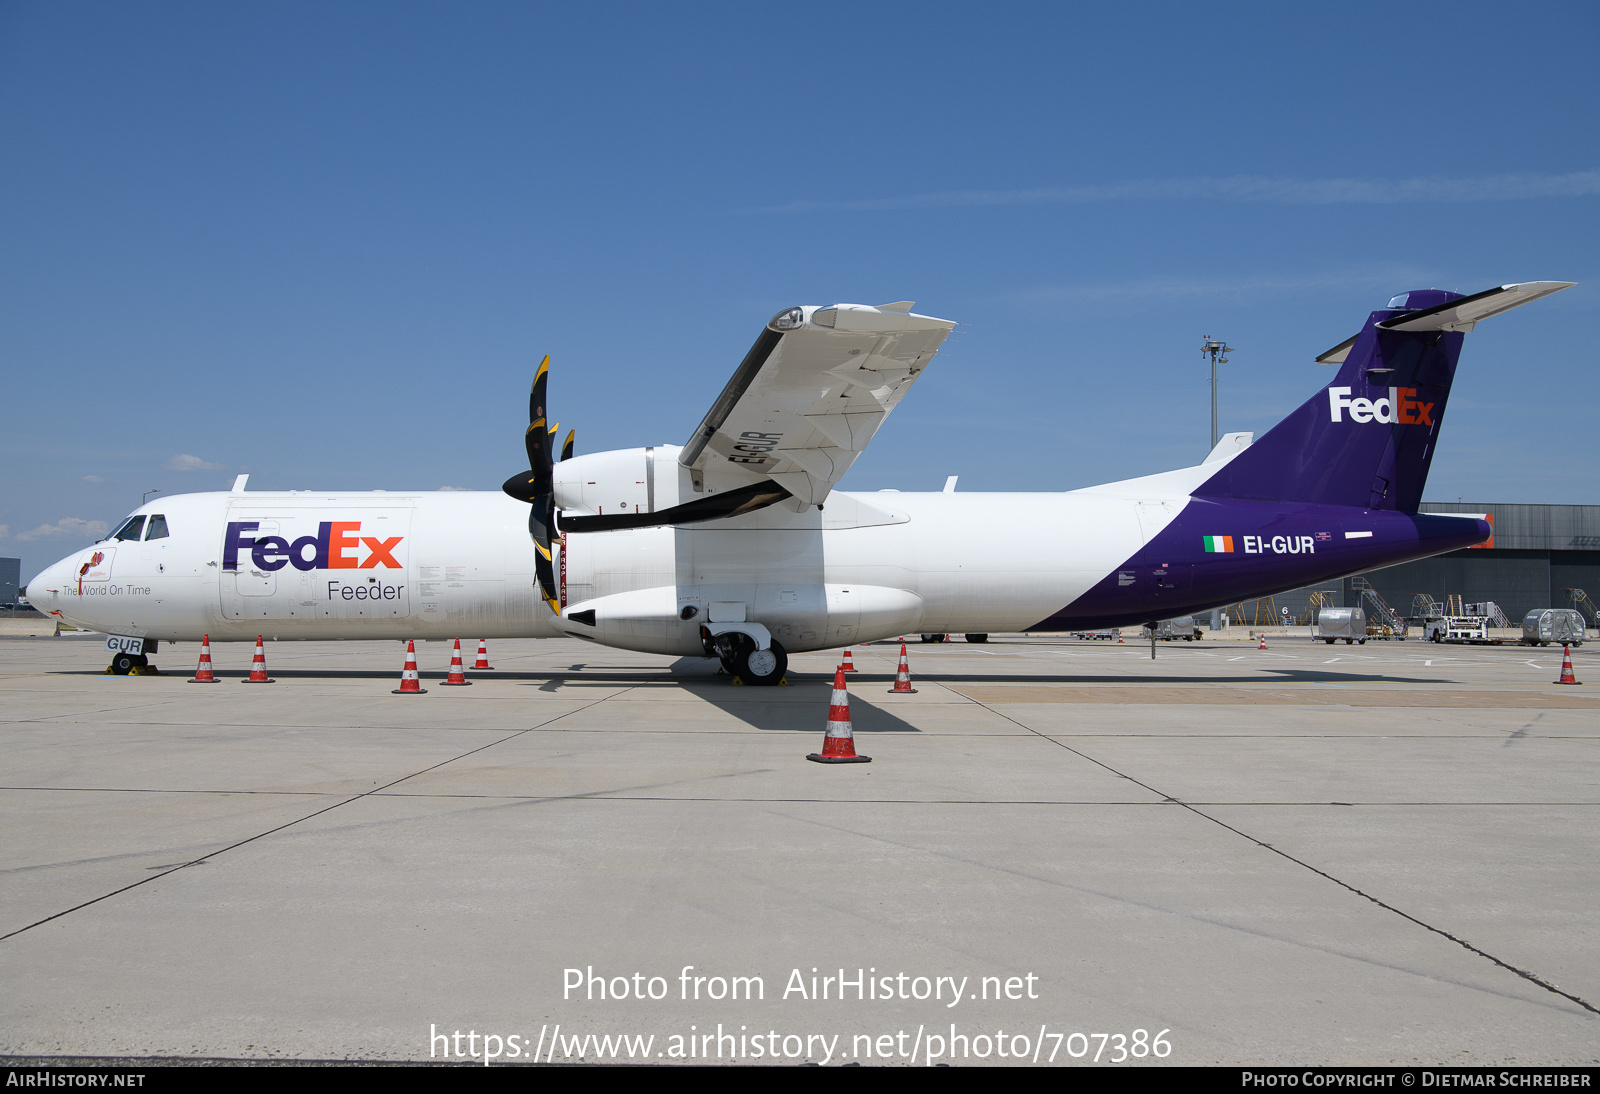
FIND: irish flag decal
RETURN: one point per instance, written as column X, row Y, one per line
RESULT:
column 1219, row 545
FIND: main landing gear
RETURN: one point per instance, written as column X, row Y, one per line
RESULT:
column 741, row 658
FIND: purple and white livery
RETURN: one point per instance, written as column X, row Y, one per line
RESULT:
column 737, row 545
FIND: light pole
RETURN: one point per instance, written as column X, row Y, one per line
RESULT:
column 143, row 497
column 1218, row 352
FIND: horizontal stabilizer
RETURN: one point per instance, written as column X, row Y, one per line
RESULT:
column 1460, row 314
column 1463, row 313
column 1337, row 354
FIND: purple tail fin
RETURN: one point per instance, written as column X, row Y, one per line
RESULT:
column 1366, row 439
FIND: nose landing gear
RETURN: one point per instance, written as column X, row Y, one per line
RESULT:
column 130, row 664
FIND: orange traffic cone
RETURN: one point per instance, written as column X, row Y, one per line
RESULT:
column 902, row 678
column 258, row 667
column 838, row 740
column 1263, row 642
column 849, row 665
column 202, row 675
column 1566, row 667
column 483, row 658
column 458, row 676
column 409, row 684
column 1119, row 639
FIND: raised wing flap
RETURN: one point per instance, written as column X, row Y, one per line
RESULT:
column 1462, row 314
column 809, row 396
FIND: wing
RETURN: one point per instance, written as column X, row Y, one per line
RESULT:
column 810, row 394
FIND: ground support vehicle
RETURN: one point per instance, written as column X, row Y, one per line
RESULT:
column 1349, row 624
column 1558, row 626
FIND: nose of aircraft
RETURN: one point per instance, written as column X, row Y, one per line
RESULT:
column 38, row 591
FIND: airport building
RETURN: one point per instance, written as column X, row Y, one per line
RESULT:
column 1538, row 556
column 10, row 579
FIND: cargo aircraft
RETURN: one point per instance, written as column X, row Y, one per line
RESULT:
column 736, row 544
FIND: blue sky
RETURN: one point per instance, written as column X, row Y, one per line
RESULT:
column 328, row 243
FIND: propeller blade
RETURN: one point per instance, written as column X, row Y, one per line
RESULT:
column 543, row 566
column 566, row 449
column 537, row 439
column 536, row 486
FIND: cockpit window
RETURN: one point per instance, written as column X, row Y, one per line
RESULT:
column 130, row 530
column 158, row 528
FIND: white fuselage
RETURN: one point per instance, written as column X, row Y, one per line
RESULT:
column 325, row 565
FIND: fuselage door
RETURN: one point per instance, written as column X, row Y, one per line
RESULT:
column 249, row 592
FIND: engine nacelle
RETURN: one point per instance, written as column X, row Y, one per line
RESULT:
column 627, row 480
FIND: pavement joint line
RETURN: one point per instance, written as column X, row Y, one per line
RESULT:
column 604, row 795
column 165, row 790
column 1525, row 974
column 612, row 796
column 1210, row 920
column 286, row 824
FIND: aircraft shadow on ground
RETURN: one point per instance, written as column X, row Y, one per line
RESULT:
column 802, row 706
column 585, row 676
column 1280, row 676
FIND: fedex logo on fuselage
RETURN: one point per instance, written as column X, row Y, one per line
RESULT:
column 1400, row 405
column 336, row 546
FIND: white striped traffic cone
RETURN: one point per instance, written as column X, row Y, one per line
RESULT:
column 1263, row 642
column 409, row 684
column 849, row 665
column 258, row 667
column 483, row 658
column 838, row 740
column 1567, row 676
column 202, row 675
column 458, row 676
column 902, row 678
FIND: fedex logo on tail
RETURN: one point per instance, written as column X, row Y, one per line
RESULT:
column 1401, row 405
column 336, row 546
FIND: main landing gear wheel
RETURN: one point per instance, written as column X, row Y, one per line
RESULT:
column 761, row 668
column 977, row 638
